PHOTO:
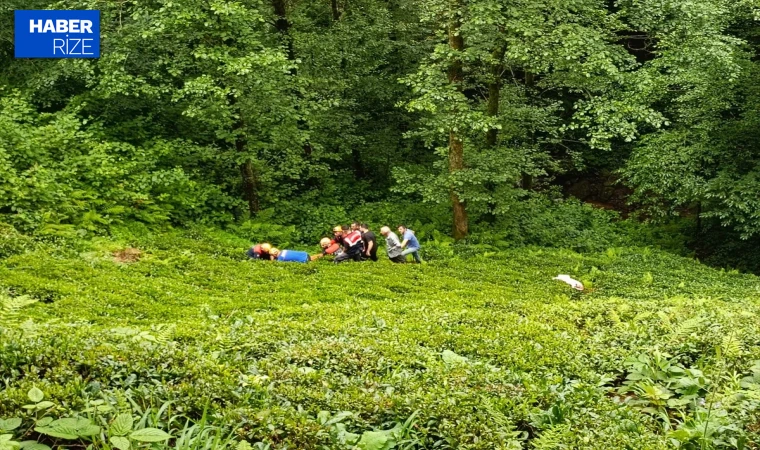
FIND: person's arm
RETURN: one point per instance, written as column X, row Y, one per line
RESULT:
column 404, row 242
column 370, row 246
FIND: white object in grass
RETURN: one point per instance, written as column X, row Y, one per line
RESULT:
column 575, row 284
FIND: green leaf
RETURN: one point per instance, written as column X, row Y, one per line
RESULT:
column 119, row 442
column 33, row 445
column 121, row 425
column 374, row 440
column 450, row 357
column 149, row 435
column 10, row 424
column 44, row 421
column 378, row 440
column 7, row 444
column 44, row 405
column 35, row 395
column 69, row 428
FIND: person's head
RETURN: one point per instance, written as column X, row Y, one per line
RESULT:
column 337, row 230
column 266, row 247
column 363, row 227
column 324, row 243
column 401, row 229
column 385, row 231
column 274, row 252
column 355, row 226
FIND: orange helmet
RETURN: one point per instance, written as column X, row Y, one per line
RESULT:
column 266, row 247
column 337, row 229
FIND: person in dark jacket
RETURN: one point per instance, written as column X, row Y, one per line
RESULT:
column 352, row 245
column 370, row 242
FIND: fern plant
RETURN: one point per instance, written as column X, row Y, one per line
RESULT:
column 10, row 307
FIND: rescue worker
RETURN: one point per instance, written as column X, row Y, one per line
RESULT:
column 260, row 251
column 328, row 248
column 352, row 245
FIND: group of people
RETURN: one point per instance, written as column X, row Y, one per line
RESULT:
column 357, row 243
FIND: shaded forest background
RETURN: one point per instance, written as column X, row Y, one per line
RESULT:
column 500, row 123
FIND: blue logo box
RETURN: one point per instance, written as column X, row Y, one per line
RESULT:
column 57, row 34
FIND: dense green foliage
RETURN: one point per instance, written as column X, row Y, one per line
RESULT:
column 214, row 110
column 479, row 350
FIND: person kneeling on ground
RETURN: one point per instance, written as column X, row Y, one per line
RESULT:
column 328, row 248
column 290, row 255
column 370, row 242
column 392, row 245
column 410, row 243
column 352, row 245
column 260, row 251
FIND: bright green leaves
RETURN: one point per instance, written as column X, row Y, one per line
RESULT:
column 9, row 424
column 7, row 442
column 119, row 442
column 35, row 395
column 121, row 425
column 69, row 428
column 149, row 435
column 378, row 440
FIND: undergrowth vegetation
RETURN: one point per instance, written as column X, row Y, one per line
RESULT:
column 189, row 345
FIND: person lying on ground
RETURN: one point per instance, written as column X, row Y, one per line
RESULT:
column 290, row 256
column 352, row 246
column 328, row 248
column 260, row 251
column 392, row 245
column 370, row 242
column 409, row 243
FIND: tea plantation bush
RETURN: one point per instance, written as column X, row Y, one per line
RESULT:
column 191, row 346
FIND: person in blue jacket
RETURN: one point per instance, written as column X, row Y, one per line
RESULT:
column 290, row 255
column 410, row 243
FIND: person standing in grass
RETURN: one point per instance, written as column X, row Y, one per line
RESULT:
column 260, row 251
column 370, row 242
column 410, row 244
column 392, row 245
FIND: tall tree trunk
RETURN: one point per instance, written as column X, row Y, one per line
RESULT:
column 456, row 146
column 282, row 25
column 335, row 10
column 250, row 186
column 527, row 179
column 494, row 92
column 250, row 178
column 356, row 162
column 492, row 110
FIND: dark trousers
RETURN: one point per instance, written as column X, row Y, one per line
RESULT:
column 354, row 253
column 398, row 259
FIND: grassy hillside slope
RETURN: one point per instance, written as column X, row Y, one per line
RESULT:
column 484, row 351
